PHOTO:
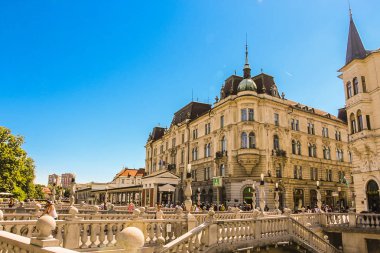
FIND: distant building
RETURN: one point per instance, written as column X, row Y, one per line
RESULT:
column 67, row 179
column 63, row 180
column 54, row 180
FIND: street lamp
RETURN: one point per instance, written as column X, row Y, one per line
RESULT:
column 319, row 197
column 188, row 191
column 276, row 198
column 262, row 193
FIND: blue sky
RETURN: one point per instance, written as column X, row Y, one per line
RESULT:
column 85, row 81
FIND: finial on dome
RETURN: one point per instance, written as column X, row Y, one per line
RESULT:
column 247, row 68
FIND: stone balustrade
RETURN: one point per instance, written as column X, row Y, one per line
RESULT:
column 256, row 232
column 368, row 221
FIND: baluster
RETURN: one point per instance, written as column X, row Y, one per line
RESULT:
column 191, row 245
column 158, row 230
column 102, row 236
column 196, row 242
column 151, row 232
column 58, row 236
column 93, row 235
column 109, row 235
column 16, row 249
column 84, row 236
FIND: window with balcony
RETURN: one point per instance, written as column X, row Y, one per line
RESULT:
column 276, row 142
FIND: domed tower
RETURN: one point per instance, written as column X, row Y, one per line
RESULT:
column 247, row 84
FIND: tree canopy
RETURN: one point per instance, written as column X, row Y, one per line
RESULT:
column 17, row 170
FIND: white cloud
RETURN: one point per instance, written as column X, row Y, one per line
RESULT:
column 289, row 74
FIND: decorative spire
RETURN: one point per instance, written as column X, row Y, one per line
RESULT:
column 247, row 68
column 355, row 48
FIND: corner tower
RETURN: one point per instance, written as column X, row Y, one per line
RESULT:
column 361, row 79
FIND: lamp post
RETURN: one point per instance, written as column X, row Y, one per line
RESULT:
column 276, row 198
column 199, row 196
column 262, row 193
column 319, row 198
column 188, row 191
column 254, row 195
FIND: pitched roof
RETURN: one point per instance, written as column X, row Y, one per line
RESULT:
column 355, row 48
column 191, row 111
column 126, row 172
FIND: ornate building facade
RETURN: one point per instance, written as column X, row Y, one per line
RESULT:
column 361, row 79
column 252, row 130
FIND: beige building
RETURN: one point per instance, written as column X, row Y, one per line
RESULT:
column 361, row 79
column 251, row 130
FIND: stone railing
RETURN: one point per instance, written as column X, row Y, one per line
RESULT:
column 368, row 221
column 220, row 235
column 312, row 219
column 78, row 233
column 336, row 219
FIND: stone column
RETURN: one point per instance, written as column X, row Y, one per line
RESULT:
column 155, row 190
column 160, row 200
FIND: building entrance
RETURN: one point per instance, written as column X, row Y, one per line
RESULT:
column 247, row 195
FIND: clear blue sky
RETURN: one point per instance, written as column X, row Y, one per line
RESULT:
column 85, row 81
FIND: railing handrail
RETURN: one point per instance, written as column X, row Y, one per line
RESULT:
column 185, row 237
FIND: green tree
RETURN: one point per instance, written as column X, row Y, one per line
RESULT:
column 39, row 194
column 17, row 170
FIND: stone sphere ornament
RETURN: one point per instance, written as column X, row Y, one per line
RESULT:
column 45, row 224
column 132, row 239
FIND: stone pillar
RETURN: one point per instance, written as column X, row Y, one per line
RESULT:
column 72, row 230
column 45, row 225
column 154, row 195
column 160, row 200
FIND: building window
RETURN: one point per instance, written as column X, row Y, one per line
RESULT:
column 244, row 115
column 338, row 135
column 339, row 155
column 208, row 150
column 329, row 175
column 360, row 121
column 294, row 147
column 350, row 156
column 276, row 119
column 222, row 121
column 364, row 84
column 368, row 122
column 297, row 171
column 276, row 142
column 349, row 90
column 207, row 173
column 244, row 140
column 353, row 123
column 313, row 173
column 182, row 156
column 173, row 143
column 279, row 171
column 312, row 148
column 195, row 154
column 310, row 128
column 326, row 153
column 195, row 134
column 207, row 128
column 183, row 138
column 251, row 115
column 222, row 170
column 252, row 140
column 298, row 148
column 295, row 124
column 223, row 143
column 341, row 177
column 325, row 132
column 356, row 86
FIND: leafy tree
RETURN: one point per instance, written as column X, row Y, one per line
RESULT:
column 17, row 170
column 39, row 194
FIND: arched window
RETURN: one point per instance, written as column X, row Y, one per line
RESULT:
column 298, row 148
column 349, row 90
column 353, row 123
column 364, row 84
column 356, row 86
column 276, row 142
column 209, row 149
column 373, row 196
column 294, row 148
column 223, row 144
column 205, row 150
column 360, row 120
column 252, row 140
column 244, row 140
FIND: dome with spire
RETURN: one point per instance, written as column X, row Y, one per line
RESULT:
column 247, row 83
